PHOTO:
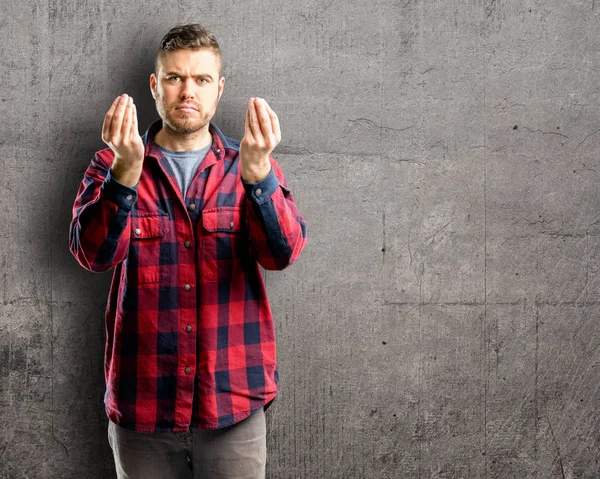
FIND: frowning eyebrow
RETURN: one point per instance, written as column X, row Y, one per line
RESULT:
column 199, row 75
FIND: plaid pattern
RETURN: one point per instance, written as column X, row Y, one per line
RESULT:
column 190, row 337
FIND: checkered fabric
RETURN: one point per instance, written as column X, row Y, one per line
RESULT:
column 189, row 332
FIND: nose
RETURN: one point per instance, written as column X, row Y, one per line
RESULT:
column 187, row 88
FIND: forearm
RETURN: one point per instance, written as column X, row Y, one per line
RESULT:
column 99, row 231
column 276, row 228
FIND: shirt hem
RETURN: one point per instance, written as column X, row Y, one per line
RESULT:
column 207, row 425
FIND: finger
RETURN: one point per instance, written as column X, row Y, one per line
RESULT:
column 134, row 122
column 126, row 126
column 254, row 127
column 274, row 122
column 263, row 118
column 108, row 118
column 117, row 120
column 247, row 131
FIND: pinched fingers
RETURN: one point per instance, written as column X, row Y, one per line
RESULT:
column 260, row 138
column 263, row 124
column 120, row 131
column 113, row 122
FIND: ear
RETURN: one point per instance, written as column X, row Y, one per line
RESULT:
column 153, row 85
column 221, row 85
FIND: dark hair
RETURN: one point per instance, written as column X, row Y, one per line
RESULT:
column 192, row 37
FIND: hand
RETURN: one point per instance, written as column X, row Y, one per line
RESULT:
column 120, row 133
column 261, row 136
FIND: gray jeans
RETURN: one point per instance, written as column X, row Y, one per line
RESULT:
column 235, row 452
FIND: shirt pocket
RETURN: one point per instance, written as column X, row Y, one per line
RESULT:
column 224, row 243
column 148, row 252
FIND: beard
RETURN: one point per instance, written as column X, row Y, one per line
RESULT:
column 185, row 123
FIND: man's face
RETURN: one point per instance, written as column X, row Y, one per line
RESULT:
column 187, row 88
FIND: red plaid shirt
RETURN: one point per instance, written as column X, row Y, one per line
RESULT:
column 189, row 333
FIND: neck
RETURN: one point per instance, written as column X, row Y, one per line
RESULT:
column 174, row 141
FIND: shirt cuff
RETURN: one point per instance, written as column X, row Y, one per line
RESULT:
column 261, row 192
column 124, row 196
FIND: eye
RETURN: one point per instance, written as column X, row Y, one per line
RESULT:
column 173, row 78
column 203, row 80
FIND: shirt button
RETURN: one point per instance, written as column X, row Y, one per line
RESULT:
column 187, row 286
column 231, row 225
column 192, row 206
column 138, row 231
column 129, row 197
column 218, row 150
column 258, row 191
column 187, row 370
column 188, row 328
column 187, row 244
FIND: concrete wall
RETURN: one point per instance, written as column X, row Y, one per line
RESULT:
column 442, row 322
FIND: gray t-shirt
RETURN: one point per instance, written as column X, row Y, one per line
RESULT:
column 184, row 164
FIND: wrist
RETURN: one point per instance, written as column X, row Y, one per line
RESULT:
column 128, row 175
column 256, row 173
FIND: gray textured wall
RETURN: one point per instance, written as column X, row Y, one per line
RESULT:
column 442, row 322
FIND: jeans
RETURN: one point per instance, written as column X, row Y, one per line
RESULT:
column 235, row 452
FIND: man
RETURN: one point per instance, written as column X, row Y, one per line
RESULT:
column 184, row 215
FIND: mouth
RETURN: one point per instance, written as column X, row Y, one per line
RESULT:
column 186, row 108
